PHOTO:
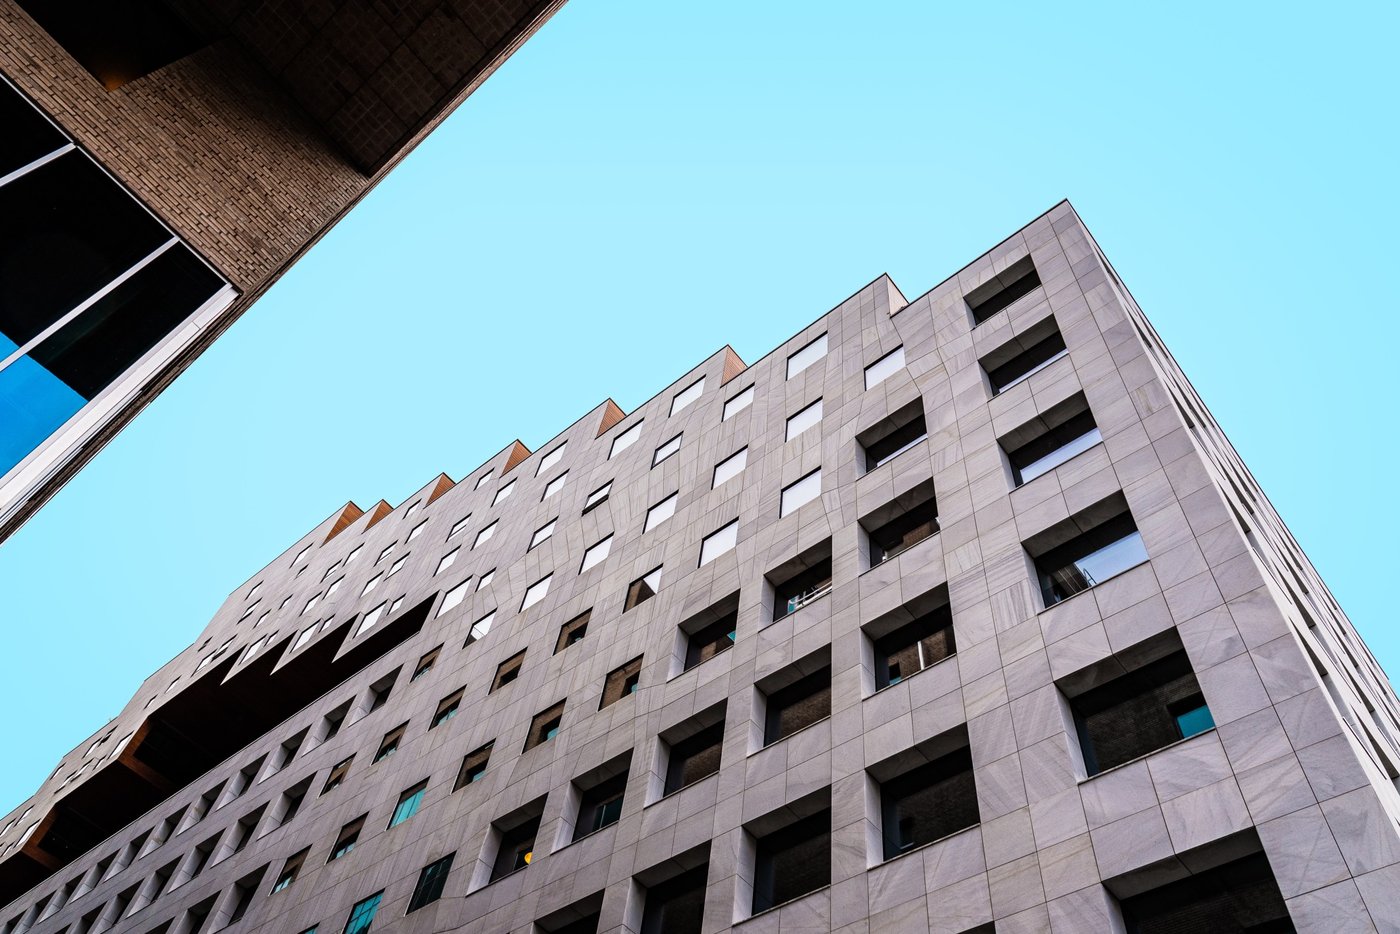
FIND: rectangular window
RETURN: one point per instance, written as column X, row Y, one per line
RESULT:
column 535, row 592
column 474, row 766
column 901, row 524
column 730, row 467
column 736, row 404
column 676, row 905
column 458, row 527
column 408, row 805
column 337, row 776
column 550, row 459
column 446, row 709
column 507, row 671
column 484, row 536
column 694, row 749
column 666, row 450
column 390, row 743
column 573, row 631
column 1023, row 357
column 718, row 542
column 517, row 847
column 903, row 647
column 642, row 589
column 800, row 493
column 621, row 682
column 430, row 883
column 1240, row 895
column 596, row 553
column 928, row 795
column 892, row 436
column 801, row 421
column 542, row 534
column 446, row 561
column 425, row 664
column 362, row 915
column 797, row 704
column 480, row 628
column 660, row 512
column 290, row 868
column 688, row 395
column 625, row 440
column 807, row 356
column 882, row 369
column 710, row 632
column 1103, row 542
column 503, row 492
column 792, row 861
column 554, row 486
column 1046, row 442
column 598, row 497
column 544, row 726
column 380, row 690
column 801, row 581
column 452, row 598
column 1001, row 291
column 600, row 805
column 345, row 840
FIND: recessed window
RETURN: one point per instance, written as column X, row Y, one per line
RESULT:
column 736, row 404
column 621, row 682
column 801, row 581
column 474, row 766
column 380, row 690
column 416, row 530
column 508, row 671
column 447, row 561
column 1086, row 549
column 425, row 664
column 544, row 726
column 484, row 536
column 390, row 743
column 926, row 793
column 710, row 632
column 718, row 542
column 480, row 628
column 362, row 915
column 453, row 597
column 596, row 553
column 1240, row 895
column 555, row 485
column 800, row 493
column 535, row 592
column 676, row 905
column 685, row 397
column 346, row 839
column 730, row 467
column 666, row 450
column 1024, row 356
column 550, row 459
column 482, row 480
column 397, row 565
column 485, row 579
column 1047, row 441
column 598, row 497
column 916, row 636
column 807, row 356
column 882, row 369
column 409, row 802
column 892, row 436
column 693, row 749
column 542, row 534
column 796, row 697
column 572, row 632
column 600, row 796
column 446, row 709
column 902, row 523
column 290, row 869
column 458, row 527
column 1001, row 291
column 642, row 589
column 625, row 440
column 792, row 854
column 430, row 883
column 337, row 776
column 802, row 420
column 503, row 492
column 516, row 849
column 660, row 512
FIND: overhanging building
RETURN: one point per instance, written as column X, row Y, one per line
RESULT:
column 957, row 614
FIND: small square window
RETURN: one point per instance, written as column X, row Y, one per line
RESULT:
column 550, row 459
column 446, row 709
column 642, row 589
column 390, row 743
column 430, row 883
column 1086, row 549
column 800, row 493
column 882, row 369
column 346, row 839
column 1024, row 356
column 290, row 869
column 362, row 915
column 483, row 479
column 666, row 450
column 596, row 553
column 710, row 632
column 416, row 530
column 535, row 592
column 555, row 485
column 598, row 497
column 573, row 631
column 453, row 597
column 544, row 726
column 485, row 579
column 507, row 671
column 892, row 436
column 807, row 356
column 796, row 697
column 1001, row 291
column 425, row 664
column 660, row 512
column 484, row 536
column 337, row 776
column 625, row 440
column 685, row 397
column 802, row 420
column 474, row 766
column 718, row 542
column 737, row 403
column 694, row 749
column 542, row 534
column 926, row 793
column 730, row 467
column 503, row 492
column 397, row 565
column 621, row 682
column 408, row 805
column 447, row 561
column 480, row 628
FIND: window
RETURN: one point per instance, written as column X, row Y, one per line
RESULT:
column 798, row 494
column 709, row 632
column 380, row 690
column 1001, row 291
column 660, row 512
column 901, row 524
column 642, row 589
column 804, row 419
column 408, row 805
column 582, row 917
column 621, row 682
column 730, row 467
column 458, row 527
column 412, row 509
column 446, row 709
column 371, row 619
column 1154, row 703
column 625, row 440
column 598, row 497
column 517, row 840
column 483, row 479
column 573, row 631
column 447, row 561
column 807, row 356
column 926, row 793
column 796, row 697
column 354, row 553
column 430, row 883
column 801, row 580
column 372, row 583
column 693, row 749
column 426, row 663
column 474, row 766
column 480, row 628
column 792, row 855
column 484, row 536
column 542, row 534
column 882, row 369
column 333, row 721
column 416, row 530
column 535, row 592
column 600, row 796
column 507, row 671
column 453, row 598
column 596, row 553
column 388, row 550
column 330, row 591
column 1049, row 440
column 666, row 450
column 390, row 743
column 688, row 395
column 290, row 868
column 1026, row 355
column 916, row 636
column 554, row 486
column 362, row 915
column 337, row 776
column 552, row 458
column 345, row 840
column 503, row 492
column 892, row 436
column 302, row 639
column 718, row 542
column 397, row 566
column 544, row 726
column 485, row 579
column 736, row 404
column 676, row 905
column 1086, row 549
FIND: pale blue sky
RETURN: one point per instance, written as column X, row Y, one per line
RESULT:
column 645, row 182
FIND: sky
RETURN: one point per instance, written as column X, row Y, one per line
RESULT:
column 645, row 182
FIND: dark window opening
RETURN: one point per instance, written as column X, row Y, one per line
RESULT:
column 290, row 868
column 796, row 697
column 333, row 721
column 474, row 766
column 801, row 581
column 1239, row 897
column 430, row 883
column 711, row 632
column 346, row 839
column 362, row 915
column 600, row 798
column 117, row 41
column 337, row 775
column 1025, row 356
column 621, row 682
column 931, row 798
column 446, row 709
column 517, row 848
column 243, row 830
column 695, row 749
column 28, row 136
column 507, row 671
column 380, row 690
column 892, row 435
column 793, row 860
column 544, row 726
column 244, row 890
column 292, row 800
column 1049, row 440
column 642, row 589
column 425, row 664
column 582, row 917
column 1000, row 292
column 676, row 906
column 390, row 743
column 572, row 632
column 903, row 523
column 903, row 649
column 1086, row 549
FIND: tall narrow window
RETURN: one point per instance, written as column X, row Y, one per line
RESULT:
column 808, row 355
column 408, row 804
column 362, row 915
column 430, row 883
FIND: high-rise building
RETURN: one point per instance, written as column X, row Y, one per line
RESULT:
column 163, row 162
column 955, row 614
